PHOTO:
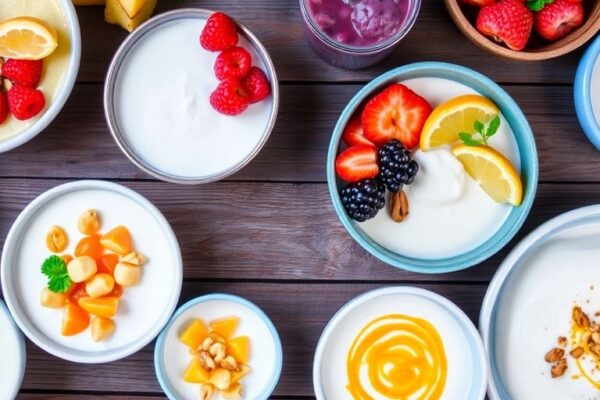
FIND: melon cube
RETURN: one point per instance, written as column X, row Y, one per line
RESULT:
column 194, row 334
column 194, row 372
column 239, row 348
column 225, row 326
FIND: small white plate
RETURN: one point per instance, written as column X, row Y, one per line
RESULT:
column 171, row 357
column 13, row 359
column 143, row 310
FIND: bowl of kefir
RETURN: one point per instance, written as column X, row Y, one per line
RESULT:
column 59, row 71
column 400, row 343
column 587, row 93
column 156, row 102
column 539, row 318
column 449, row 219
column 12, row 363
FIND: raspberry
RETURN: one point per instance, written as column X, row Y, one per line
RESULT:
column 4, row 110
column 231, row 97
column 25, row 102
column 258, row 85
column 219, row 33
column 233, row 63
column 23, row 72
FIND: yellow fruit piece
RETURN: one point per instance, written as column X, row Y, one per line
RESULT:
column 127, row 274
column 454, row 116
column 99, row 285
column 51, row 299
column 220, row 378
column 239, row 348
column 89, row 222
column 132, row 7
column 194, row 334
column 116, row 14
column 102, row 328
column 224, row 326
column 89, row 2
column 27, row 38
column 82, row 268
column 494, row 172
column 101, row 307
column 117, row 240
column 233, row 393
column 237, row 376
column 194, row 372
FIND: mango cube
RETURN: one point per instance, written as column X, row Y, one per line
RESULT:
column 132, row 7
column 239, row 348
column 52, row 299
column 81, row 268
column 101, row 307
column 220, row 378
column 99, row 285
column 194, row 334
column 116, row 14
column 194, row 373
column 224, row 326
column 102, row 328
column 237, row 376
column 233, row 393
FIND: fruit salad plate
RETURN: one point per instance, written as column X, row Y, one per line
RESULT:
column 432, row 167
column 91, row 271
column 539, row 318
column 12, row 362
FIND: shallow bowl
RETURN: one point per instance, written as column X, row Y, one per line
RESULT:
column 13, row 358
column 583, row 90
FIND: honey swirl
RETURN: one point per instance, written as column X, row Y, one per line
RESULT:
column 404, row 359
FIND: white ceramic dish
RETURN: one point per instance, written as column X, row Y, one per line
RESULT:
column 463, row 347
column 538, row 287
column 12, row 362
column 171, row 357
column 144, row 309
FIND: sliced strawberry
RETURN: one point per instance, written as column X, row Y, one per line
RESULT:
column 353, row 133
column 357, row 163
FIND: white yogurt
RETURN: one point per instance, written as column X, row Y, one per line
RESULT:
column 449, row 212
column 162, row 105
column 11, row 358
column 535, row 309
column 595, row 90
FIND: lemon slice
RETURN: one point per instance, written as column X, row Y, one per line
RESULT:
column 26, row 38
column 494, row 172
column 454, row 116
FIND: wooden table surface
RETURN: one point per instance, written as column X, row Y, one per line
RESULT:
column 269, row 233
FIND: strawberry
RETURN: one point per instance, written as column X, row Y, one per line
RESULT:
column 258, row 85
column 357, row 163
column 23, row 72
column 4, row 109
column 219, row 33
column 508, row 21
column 25, row 102
column 233, row 63
column 231, row 97
column 478, row 3
column 353, row 134
column 558, row 19
column 396, row 113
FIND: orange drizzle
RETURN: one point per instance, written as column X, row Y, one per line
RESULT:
column 404, row 357
column 577, row 339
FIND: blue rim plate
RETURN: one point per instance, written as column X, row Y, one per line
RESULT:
column 159, row 349
column 487, row 318
column 527, row 151
column 23, row 355
column 581, row 93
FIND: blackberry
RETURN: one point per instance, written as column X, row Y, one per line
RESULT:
column 362, row 200
column 396, row 167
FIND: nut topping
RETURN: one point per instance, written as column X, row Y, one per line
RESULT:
column 56, row 239
column 399, row 206
column 133, row 258
column 218, row 351
column 580, row 318
column 562, row 341
column 577, row 352
column 554, row 355
column 559, row 368
column 229, row 363
column 207, row 361
column 207, row 391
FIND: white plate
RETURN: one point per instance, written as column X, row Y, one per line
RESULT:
column 13, row 359
column 144, row 309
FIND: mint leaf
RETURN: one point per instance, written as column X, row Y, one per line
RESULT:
column 537, row 5
column 478, row 125
column 55, row 269
column 493, row 127
column 468, row 139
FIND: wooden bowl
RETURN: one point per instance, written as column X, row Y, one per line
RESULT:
column 465, row 16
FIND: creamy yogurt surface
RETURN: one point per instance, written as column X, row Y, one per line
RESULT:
column 449, row 213
column 55, row 65
column 163, row 111
column 11, row 360
column 535, row 309
column 595, row 90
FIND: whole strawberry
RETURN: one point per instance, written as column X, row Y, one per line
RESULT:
column 23, row 72
column 558, row 19
column 233, row 63
column 258, row 85
column 507, row 21
column 4, row 110
column 478, row 3
column 219, row 33
column 231, row 97
column 25, row 102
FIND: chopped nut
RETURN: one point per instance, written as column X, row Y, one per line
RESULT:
column 221, row 378
column 559, row 368
column 586, row 337
column 577, row 352
column 56, row 239
column 218, row 351
column 562, row 341
column 207, row 391
column 580, row 318
column 217, row 338
column 88, row 222
column 229, row 363
column 207, row 343
column 554, row 355
column 207, row 361
column 595, row 349
column 133, row 258
column 399, row 206
column 596, row 337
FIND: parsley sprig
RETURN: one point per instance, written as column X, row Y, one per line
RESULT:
column 481, row 131
column 55, row 269
column 537, row 5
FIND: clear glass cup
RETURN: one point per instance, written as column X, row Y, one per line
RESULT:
column 351, row 56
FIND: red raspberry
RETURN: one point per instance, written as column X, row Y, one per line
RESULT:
column 233, row 63
column 25, row 102
column 219, row 33
column 23, row 72
column 258, row 85
column 231, row 97
column 4, row 110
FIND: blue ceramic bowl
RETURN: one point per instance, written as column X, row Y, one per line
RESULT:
column 525, row 142
column 582, row 90
column 267, row 384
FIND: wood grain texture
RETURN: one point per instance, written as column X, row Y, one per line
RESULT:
column 279, row 25
column 79, row 145
column 299, row 316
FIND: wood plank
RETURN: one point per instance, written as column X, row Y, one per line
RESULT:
column 272, row 231
column 300, row 316
column 78, row 143
column 279, row 25
column 62, row 396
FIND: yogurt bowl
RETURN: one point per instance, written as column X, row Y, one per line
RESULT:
column 175, row 353
column 13, row 360
column 437, row 343
column 442, row 232
column 163, row 122
column 60, row 68
column 587, row 93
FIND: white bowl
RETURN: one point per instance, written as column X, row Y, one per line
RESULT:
column 143, row 310
column 12, row 362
